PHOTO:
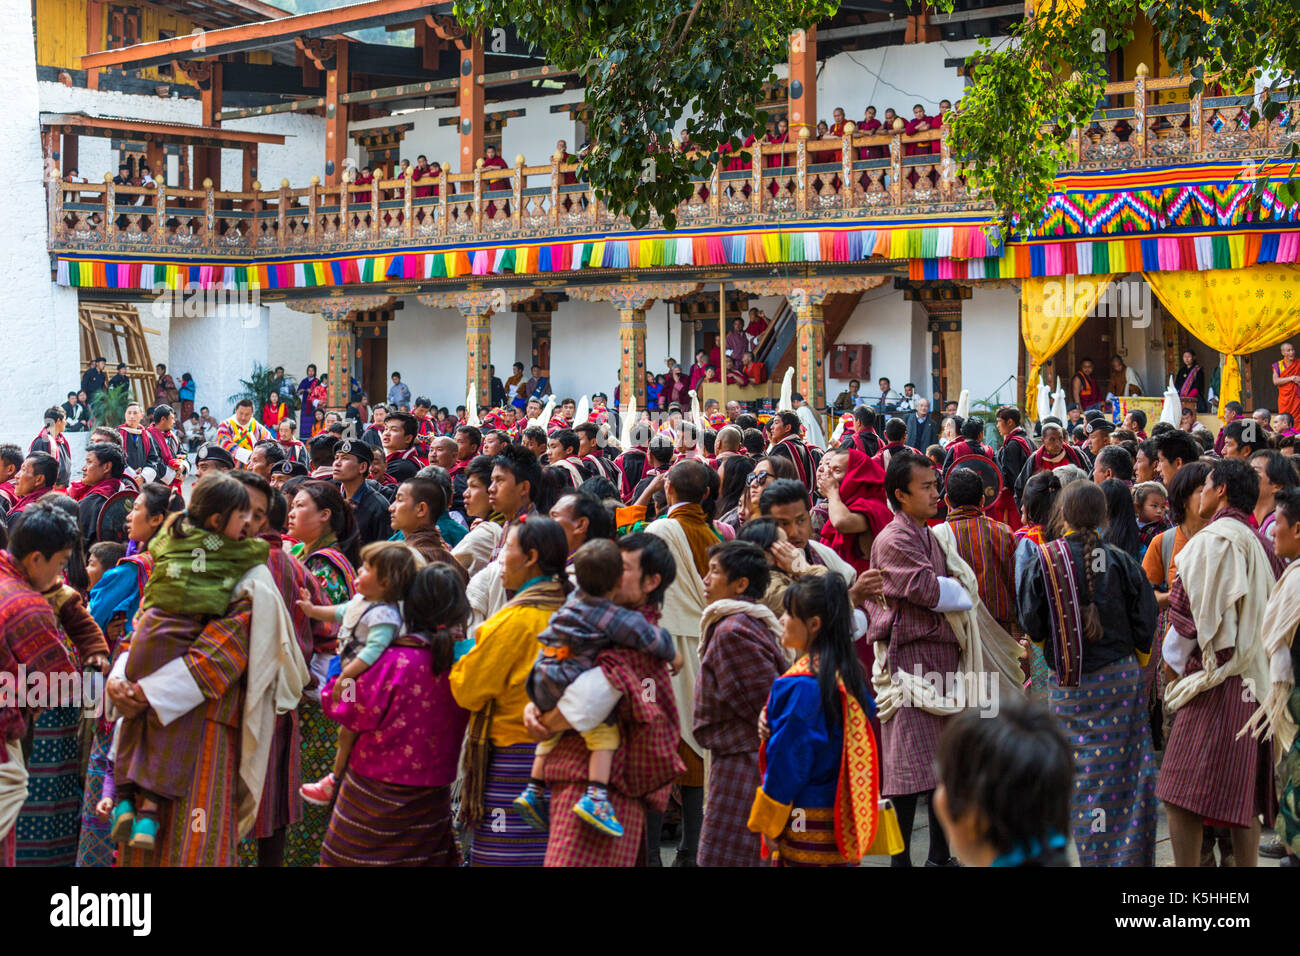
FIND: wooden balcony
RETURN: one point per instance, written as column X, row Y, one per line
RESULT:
column 857, row 177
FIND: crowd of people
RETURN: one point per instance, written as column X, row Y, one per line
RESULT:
column 400, row 641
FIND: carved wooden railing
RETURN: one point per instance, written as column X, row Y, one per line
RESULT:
column 854, row 176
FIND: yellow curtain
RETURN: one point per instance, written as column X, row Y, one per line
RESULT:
column 1233, row 311
column 1051, row 310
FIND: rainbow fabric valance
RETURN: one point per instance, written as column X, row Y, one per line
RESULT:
column 948, row 253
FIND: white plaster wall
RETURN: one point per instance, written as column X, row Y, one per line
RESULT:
column 990, row 328
column 292, row 340
column 585, row 355
column 40, row 330
column 428, row 347
column 219, row 349
column 898, row 76
column 301, row 156
column 883, row 319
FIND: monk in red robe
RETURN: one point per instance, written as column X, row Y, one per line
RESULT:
column 1087, row 393
column 490, row 182
column 873, row 127
column 1286, row 376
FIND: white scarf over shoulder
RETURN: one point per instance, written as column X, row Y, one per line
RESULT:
column 683, row 607
column 1281, row 616
column 1227, row 577
column 985, row 649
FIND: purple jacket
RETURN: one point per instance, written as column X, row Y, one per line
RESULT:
column 410, row 727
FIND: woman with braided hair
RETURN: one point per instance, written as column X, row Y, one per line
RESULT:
column 1092, row 609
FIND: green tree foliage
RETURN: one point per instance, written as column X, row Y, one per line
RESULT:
column 647, row 66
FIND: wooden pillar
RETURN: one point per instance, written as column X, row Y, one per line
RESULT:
column 471, row 105
column 157, row 159
column 94, row 38
column 801, row 105
column 631, row 339
column 249, row 168
column 722, row 343
column 211, row 101
column 810, row 340
column 336, row 115
column 478, row 355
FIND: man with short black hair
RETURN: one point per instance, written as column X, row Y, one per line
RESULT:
column 516, row 486
column 372, row 434
column 398, row 438
column 562, row 455
column 1173, row 450
column 864, row 437
column 912, row 636
column 1242, row 438
column 1217, row 603
column 417, row 508
column 11, row 459
column 533, row 440
column 77, row 413
column 784, row 431
column 36, row 478
column 266, row 455
column 988, row 546
column 102, row 476
column 320, row 455
column 469, row 441
column 786, row 501
column 895, row 441
column 1113, row 461
column 172, row 463
column 591, row 451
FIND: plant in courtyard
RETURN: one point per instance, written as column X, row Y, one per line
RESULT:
column 109, row 406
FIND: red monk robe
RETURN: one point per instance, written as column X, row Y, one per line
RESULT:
column 1288, row 393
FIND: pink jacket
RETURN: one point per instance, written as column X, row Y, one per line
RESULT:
column 410, row 727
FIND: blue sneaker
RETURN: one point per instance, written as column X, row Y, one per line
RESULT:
column 600, row 814
column 532, row 806
column 121, row 822
column 144, row 833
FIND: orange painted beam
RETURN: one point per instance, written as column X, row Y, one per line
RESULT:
column 166, row 132
column 471, row 106
column 801, row 104
column 336, row 114
column 252, row 36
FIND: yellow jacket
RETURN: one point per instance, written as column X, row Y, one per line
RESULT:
column 496, row 669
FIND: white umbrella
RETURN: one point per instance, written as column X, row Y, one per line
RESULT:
column 693, row 412
column 784, row 403
column 1058, row 403
column 963, row 403
column 629, row 417
column 1044, row 399
column 583, row 412
column 471, row 407
column 1172, row 412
